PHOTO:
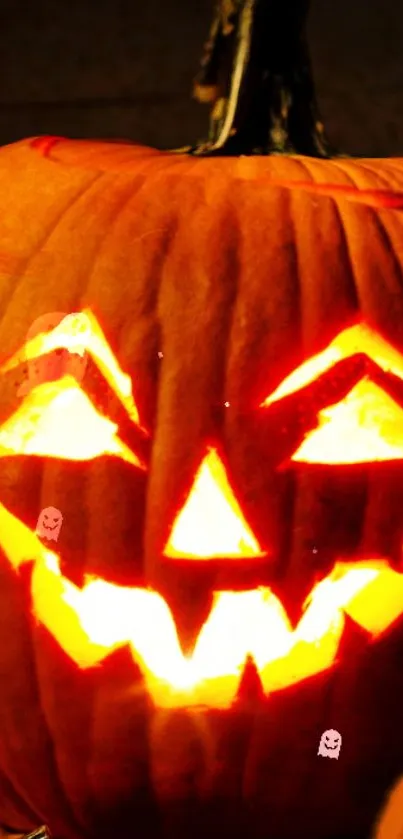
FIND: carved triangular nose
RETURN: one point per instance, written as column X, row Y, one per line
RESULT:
column 211, row 524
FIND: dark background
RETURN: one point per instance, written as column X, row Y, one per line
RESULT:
column 124, row 69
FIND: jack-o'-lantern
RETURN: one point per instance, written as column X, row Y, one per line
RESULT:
column 225, row 474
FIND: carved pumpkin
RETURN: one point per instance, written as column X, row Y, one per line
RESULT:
column 227, row 582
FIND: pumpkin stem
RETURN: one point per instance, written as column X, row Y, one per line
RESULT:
column 256, row 73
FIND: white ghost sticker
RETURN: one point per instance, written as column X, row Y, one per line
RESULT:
column 59, row 361
column 330, row 744
column 49, row 523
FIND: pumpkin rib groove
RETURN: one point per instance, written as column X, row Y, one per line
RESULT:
column 147, row 304
column 93, row 251
column 345, row 169
column 308, row 167
column 350, row 177
column 154, row 313
column 384, row 194
column 376, row 305
column 395, row 168
column 392, row 229
column 391, row 169
column 390, row 250
column 352, row 166
column 235, row 262
column 343, row 229
column 314, row 170
column 24, row 815
column 134, row 194
column 378, row 178
column 148, row 309
column 41, row 245
column 294, row 261
column 62, row 812
column 97, row 252
column 345, row 256
column 303, row 288
column 66, row 804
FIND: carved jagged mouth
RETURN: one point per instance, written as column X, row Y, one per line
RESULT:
column 89, row 623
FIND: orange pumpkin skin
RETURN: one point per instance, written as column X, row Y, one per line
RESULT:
column 212, row 280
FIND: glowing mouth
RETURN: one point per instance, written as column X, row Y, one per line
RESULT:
column 89, row 623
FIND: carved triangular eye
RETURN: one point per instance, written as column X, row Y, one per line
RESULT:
column 80, row 332
column 211, row 523
column 365, row 427
column 357, row 339
column 57, row 419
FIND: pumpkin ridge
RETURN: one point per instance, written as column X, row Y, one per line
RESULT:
column 371, row 196
column 26, row 816
column 378, row 176
column 119, row 208
column 154, row 311
column 394, row 195
column 383, row 192
column 65, row 804
column 372, row 278
column 235, row 263
column 343, row 244
column 340, row 191
column 109, row 219
column 347, row 174
column 390, row 249
column 40, row 245
column 387, row 168
column 62, row 812
column 376, row 167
